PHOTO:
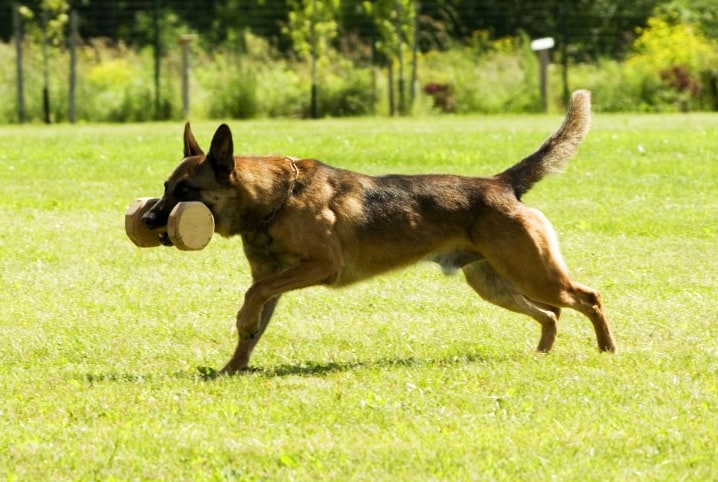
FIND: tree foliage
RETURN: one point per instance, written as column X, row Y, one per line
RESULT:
column 592, row 28
column 394, row 23
column 48, row 19
column 662, row 45
column 312, row 25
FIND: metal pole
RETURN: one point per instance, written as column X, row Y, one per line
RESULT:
column 543, row 67
column 564, row 50
column 185, row 40
column 17, row 27
column 45, row 69
column 400, row 53
column 156, row 25
column 313, row 112
column 390, row 81
column 73, row 66
column 414, row 60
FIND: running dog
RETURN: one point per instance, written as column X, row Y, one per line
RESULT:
column 304, row 223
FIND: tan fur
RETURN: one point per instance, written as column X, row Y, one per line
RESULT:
column 304, row 223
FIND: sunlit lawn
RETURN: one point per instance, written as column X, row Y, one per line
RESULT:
column 406, row 377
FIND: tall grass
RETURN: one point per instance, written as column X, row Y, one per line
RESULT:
column 406, row 377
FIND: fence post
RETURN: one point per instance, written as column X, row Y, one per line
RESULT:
column 414, row 59
column 313, row 109
column 45, row 68
column 156, row 27
column 390, row 81
column 564, row 50
column 400, row 55
column 542, row 46
column 71, row 113
column 17, row 27
column 184, row 41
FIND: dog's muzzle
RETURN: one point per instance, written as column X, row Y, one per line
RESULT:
column 151, row 221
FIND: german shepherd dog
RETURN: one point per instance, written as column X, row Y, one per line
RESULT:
column 304, row 223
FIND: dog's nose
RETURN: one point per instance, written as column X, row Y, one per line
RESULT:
column 149, row 219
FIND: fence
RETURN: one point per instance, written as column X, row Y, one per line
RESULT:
column 261, row 20
column 382, row 49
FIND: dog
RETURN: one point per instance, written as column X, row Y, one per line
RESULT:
column 304, row 223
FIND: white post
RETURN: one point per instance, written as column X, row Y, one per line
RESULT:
column 541, row 47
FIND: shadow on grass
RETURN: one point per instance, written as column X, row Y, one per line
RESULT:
column 307, row 368
column 315, row 369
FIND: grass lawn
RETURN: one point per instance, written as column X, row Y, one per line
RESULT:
column 406, row 377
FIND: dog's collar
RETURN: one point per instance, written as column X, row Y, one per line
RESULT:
column 295, row 170
column 290, row 190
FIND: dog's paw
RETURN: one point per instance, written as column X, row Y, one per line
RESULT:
column 230, row 370
column 207, row 373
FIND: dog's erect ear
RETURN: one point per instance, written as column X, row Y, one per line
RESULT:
column 221, row 152
column 191, row 147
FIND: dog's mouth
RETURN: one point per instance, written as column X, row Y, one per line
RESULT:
column 156, row 227
column 165, row 239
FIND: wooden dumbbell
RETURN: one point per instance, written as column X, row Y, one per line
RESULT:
column 136, row 229
column 190, row 226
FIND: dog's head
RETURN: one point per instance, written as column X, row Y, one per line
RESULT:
column 199, row 177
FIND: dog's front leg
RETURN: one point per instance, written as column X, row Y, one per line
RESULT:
column 240, row 359
column 260, row 301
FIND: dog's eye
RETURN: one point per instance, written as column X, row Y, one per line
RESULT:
column 182, row 190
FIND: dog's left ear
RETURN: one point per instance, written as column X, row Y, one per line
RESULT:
column 191, row 147
column 221, row 152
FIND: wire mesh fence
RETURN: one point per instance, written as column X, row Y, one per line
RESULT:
column 134, row 60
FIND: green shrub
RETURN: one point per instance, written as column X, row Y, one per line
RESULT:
column 673, row 67
column 352, row 96
column 502, row 79
column 282, row 92
column 117, row 85
column 114, row 84
column 345, row 90
column 114, row 91
column 231, row 87
column 258, row 83
column 33, row 84
column 249, row 79
column 672, row 56
column 614, row 86
column 8, row 84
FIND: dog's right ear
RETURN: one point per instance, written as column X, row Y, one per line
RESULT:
column 221, row 152
column 191, row 147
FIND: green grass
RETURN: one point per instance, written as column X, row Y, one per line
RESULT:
column 407, row 377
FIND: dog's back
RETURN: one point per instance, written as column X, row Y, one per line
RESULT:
column 385, row 222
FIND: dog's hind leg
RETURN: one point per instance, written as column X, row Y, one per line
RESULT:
column 521, row 247
column 497, row 290
column 587, row 300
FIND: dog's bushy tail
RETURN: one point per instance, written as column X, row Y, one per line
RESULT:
column 555, row 152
